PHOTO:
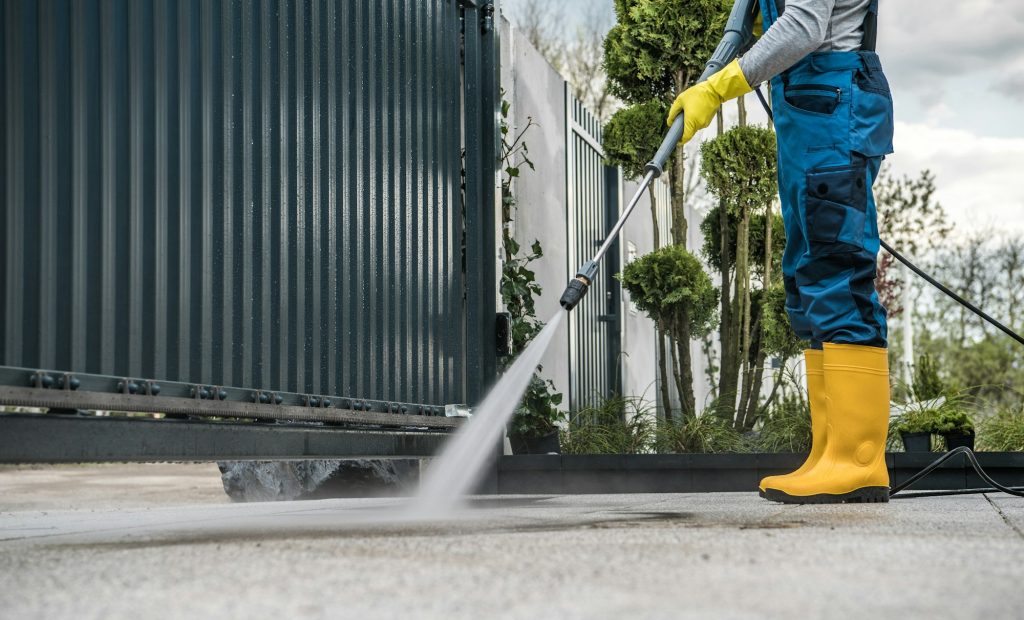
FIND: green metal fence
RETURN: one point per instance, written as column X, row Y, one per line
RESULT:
column 593, row 206
column 270, row 201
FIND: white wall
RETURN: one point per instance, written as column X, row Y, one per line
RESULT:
column 536, row 91
column 639, row 340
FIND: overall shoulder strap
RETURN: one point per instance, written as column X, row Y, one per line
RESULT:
column 870, row 28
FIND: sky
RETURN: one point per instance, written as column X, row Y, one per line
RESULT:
column 956, row 70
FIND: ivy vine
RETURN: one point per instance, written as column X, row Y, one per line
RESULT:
column 539, row 413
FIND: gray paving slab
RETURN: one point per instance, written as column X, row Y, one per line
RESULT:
column 726, row 555
column 112, row 485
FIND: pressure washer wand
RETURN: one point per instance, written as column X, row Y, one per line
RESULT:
column 738, row 36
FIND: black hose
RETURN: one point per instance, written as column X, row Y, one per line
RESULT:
column 964, row 450
column 960, row 300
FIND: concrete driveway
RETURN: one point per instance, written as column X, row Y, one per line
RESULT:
column 182, row 553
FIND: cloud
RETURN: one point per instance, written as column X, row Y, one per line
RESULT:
column 978, row 179
column 926, row 43
column 1011, row 83
column 957, row 72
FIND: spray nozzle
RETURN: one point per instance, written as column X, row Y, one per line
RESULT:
column 574, row 292
column 578, row 286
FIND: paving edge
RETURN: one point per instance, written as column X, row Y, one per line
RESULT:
column 698, row 473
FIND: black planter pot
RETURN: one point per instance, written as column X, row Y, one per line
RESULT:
column 916, row 442
column 955, row 440
column 536, row 444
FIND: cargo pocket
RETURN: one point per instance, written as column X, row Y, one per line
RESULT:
column 816, row 98
column 871, row 128
column 836, row 209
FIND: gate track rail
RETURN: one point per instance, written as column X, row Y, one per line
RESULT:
column 66, row 399
column 75, row 439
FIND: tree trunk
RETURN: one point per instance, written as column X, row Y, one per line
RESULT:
column 750, row 408
column 750, row 411
column 654, row 215
column 743, row 299
column 659, row 332
column 677, row 371
column 681, row 353
column 729, row 378
column 758, row 410
column 666, row 398
column 677, row 179
column 754, row 379
column 767, row 279
column 685, row 372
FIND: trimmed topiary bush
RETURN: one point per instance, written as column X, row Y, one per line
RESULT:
column 671, row 287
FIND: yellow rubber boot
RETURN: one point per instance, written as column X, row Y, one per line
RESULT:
column 816, row 399
column 852, row 466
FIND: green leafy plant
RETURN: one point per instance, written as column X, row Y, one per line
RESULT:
column 633, row 134
column 621, row 425
column 670, row 285
column 519, row 288
column 918, row 421
column 1002, row 431
column 705, row 433
column 739, row 167
column 777, row 335
column 954, row 420
column 786, row 427
column 617, row 425
column 926, row 382
column 658, row 47
column 711, row 231
column 518, row 284
column 538, row 414
column 945, row 414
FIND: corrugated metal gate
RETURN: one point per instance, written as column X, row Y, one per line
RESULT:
column 248, row 201
column 593, row 206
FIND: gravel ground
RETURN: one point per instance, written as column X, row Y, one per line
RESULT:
column 98, row 543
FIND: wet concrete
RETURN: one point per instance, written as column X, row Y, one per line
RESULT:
column 729, row 555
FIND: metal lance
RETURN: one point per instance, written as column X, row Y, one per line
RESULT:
column 738, row 36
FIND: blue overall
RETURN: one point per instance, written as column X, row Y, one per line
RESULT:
column 833, row 120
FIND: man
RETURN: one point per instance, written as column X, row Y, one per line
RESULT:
column 833, row 119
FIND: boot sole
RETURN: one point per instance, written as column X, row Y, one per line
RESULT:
column 865, row 495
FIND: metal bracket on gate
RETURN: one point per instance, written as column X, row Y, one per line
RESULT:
column 69, row 382
column 321, row 402
column 127, row 386
column 267, row 398
column 41, row 379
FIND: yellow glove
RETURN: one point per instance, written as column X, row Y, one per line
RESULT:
column 700, row 101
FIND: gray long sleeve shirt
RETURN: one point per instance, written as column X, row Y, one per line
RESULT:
column 805, row 26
